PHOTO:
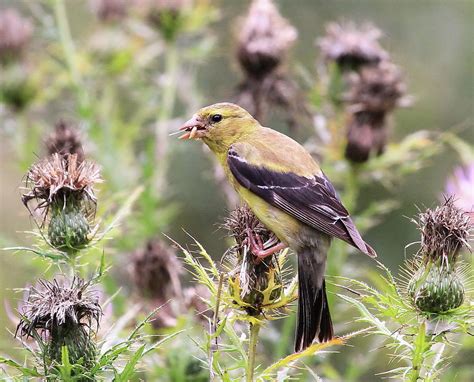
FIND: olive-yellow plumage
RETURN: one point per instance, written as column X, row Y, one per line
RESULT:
column 288, row 192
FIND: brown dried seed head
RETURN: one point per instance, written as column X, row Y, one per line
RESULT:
column 15, row 33
column 53, row 304
column 57, row 176
column 156, row 270
column 264, row 39
column 444, row 231
column 377, row 88
column 351, row 45
column 65, row 139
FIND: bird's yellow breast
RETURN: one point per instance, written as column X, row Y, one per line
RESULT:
column 284, row 226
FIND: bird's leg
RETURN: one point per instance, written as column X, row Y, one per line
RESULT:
column 257, row 247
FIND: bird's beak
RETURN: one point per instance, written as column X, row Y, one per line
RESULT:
column 194, row 128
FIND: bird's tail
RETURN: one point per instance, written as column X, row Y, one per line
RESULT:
column 314, row 319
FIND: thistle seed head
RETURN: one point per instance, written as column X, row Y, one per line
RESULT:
column 64, row 140
column 444, row 231
column 60, row 176
column 376, row 88
column 264, row 39
column 62, row 314
column 15, row 34
column 351, row 46
column 253, row 283
column 156, row 270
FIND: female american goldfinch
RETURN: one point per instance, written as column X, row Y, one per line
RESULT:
column 291, row 196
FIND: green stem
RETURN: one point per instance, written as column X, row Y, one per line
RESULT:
column 254, row 330
column 70, row 53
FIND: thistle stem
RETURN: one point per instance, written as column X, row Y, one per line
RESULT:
column 254, row 330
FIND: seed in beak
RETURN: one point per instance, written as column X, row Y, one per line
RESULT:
column 193, row 132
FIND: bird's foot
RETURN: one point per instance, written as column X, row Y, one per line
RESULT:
column 263, row 253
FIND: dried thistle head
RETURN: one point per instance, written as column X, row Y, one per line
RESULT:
column 156, row 270
column 15, row 34
column 444, row 231
column 62, row 314
column 376, row 88
column 65, row 139
column 264, row 39
column 460, row 188
column 62, row 189
column 253, row 283
column 351, row 46
column 60, row 176
column 109, row 10
column 196, row 299
column 366, row 135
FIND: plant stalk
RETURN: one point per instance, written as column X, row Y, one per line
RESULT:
column 254, row 330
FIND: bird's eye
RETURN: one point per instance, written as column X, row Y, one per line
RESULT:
column 216, row 118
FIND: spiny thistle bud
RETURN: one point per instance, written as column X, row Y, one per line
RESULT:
column 65, row 139
column 436, row 285
column 59, row 314
column 109, row 10
column 63, row 191
column 264, row 39
column 17, row 89
column 253, row 283
column 351, row 46
column 15, row 34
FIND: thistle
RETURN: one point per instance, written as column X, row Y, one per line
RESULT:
column 166, row 16
column 62, row 314
column 64, row 201
column 15, row 34
column 254, row 284
column 65, row 139
column 436, row 285
column 17, row 89
column 459, row 187
column 155, row 273
column 263, row 43
column 352, row 46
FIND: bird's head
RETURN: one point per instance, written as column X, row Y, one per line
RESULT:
column 219, row 125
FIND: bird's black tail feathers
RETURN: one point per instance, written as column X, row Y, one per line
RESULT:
column 314, row 319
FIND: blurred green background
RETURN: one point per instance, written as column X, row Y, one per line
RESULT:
column 432, row 41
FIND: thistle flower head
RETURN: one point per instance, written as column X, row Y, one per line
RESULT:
column 62, row 314
column 17, row 88
column 53, row 304
column 264, row 39
column 376, row 88
column 253, row 283
column 65, row 139
column 63, row 191
column 351, row 46
column 444, row 231
column 59, row 176
column 156, row 270
column 15, row 34
column 460, row 188
column 109, row 10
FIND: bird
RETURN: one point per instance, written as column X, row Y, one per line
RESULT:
column 289, row 193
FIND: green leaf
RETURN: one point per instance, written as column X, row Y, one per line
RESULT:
column 129, row 368
column 30, row 372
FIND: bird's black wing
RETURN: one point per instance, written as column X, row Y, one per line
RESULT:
column 312, row 201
